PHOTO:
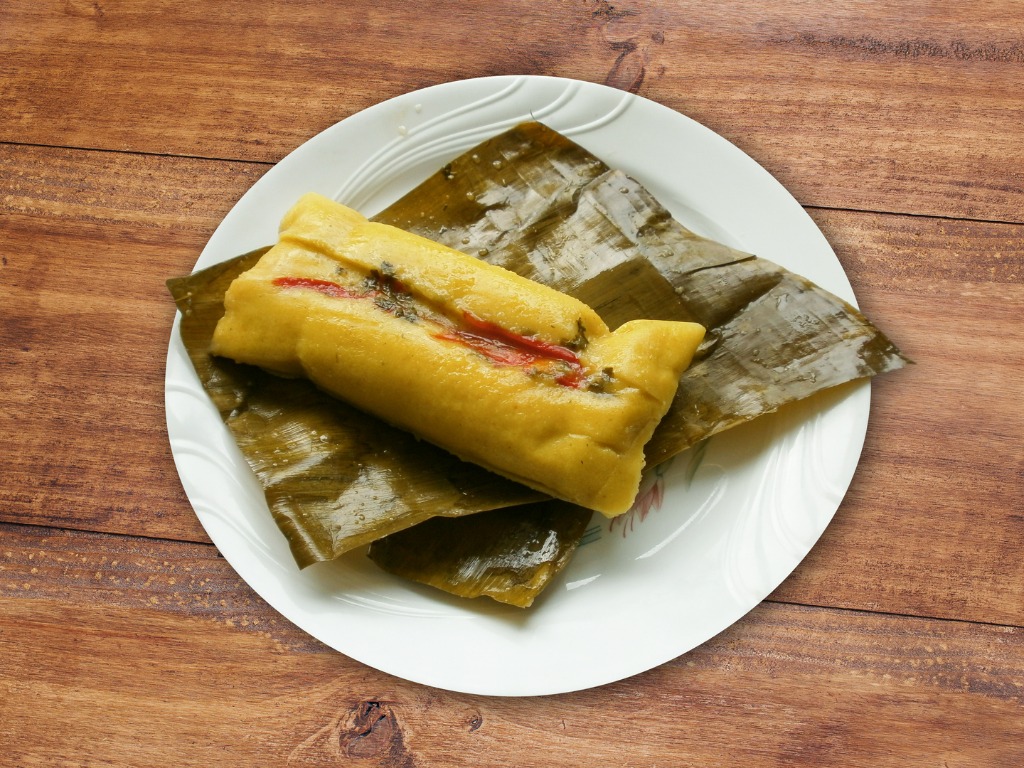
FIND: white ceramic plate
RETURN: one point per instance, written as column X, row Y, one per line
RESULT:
column 715, row 534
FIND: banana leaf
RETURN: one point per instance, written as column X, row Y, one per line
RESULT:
column 536, row 203
column 464, row 556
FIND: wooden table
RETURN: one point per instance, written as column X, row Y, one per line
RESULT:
column 128, row 129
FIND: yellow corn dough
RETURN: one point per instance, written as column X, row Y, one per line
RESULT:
column 497, row 369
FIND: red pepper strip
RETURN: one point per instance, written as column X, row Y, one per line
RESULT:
column 542, row 348
column 326, row 287
column 496, row 350
column 503, row 352
column 573, row 378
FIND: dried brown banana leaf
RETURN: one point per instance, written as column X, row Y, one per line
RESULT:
column 335, row 479
column 538, row 204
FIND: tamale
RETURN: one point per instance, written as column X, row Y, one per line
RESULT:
column 499, row 370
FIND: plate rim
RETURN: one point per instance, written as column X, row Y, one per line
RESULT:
column 272, row 593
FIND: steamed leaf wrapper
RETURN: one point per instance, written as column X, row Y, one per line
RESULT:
column 534, row 202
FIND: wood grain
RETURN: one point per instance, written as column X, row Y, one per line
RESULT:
column 876, row 106
column 83, row 347
column 86, row 242
column 104, row 636
column 128, row 129
column 937, row 505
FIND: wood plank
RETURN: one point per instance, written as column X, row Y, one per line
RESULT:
column 907, row 108
column 86, row 245
column 899, row 641
column 946, row 526
column 104, row 636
